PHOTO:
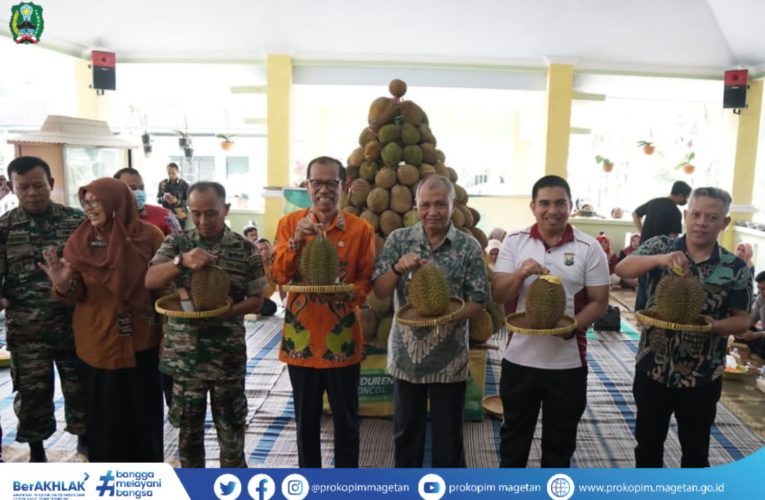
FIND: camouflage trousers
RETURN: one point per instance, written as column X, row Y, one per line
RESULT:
column 32, row 375
column 229, row 411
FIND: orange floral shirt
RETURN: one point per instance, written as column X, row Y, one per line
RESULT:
column 319, row 333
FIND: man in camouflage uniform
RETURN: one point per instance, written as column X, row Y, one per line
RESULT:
column 208, row 354
column 426, row 365
column 39, row 327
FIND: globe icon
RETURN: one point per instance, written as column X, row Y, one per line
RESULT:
column 560, row 487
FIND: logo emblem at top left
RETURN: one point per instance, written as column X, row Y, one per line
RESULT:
column 26, row 22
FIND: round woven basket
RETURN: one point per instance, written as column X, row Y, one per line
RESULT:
column 737, row 375
column 170, row 306
column 320, row 289
column 651, row 318
column 5, row 358
column 407, row 316
column 518, row 322
column 493, row 406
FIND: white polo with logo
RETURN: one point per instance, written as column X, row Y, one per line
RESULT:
column 580, row 262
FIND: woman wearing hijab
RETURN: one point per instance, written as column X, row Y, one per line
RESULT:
column 626, row 252
column 116, row 331
column 605, row 244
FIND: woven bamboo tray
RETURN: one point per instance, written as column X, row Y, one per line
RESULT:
column 407, row 316
column 650, row 317
column 518, row 322
column 320, row 289
column 493, row 406
column 170, row 306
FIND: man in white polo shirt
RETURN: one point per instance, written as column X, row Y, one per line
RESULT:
column 548, row 371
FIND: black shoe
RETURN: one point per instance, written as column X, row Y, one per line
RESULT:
column 37, row 452
column 82, row 445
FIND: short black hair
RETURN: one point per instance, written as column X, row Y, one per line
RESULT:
column 262, row 240
column 24, row 164
column 327, row 160
column 173, row 165
column 760, row 277
column 209, row 186
column 680, row 187
column 550, row 181
column 247, row 230
column 127, row 170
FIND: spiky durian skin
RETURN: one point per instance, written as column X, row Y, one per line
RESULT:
column 545, row 304
column 679, row 299
column 429, row 291
column 209, row 288
column 319, row 264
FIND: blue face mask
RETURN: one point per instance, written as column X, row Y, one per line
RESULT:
column 140, row 198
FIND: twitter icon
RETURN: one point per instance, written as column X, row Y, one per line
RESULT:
column 227, row 487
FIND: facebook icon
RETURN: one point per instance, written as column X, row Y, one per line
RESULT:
column 261, row 487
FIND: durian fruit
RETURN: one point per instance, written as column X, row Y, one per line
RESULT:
column 397, row 87
column 411, row 218
column 365, row 136
column 352, row 172
column 452, row 174
column 426, row 169
column 412, row 113
column 372, row 150
column 497, row 313
column 391, row 154
column 372, row 218
column 319, row 264
column 428, row 153
column 389, row 222
column 461, row 194
column 429, row 291
column 383, row 332
column 386, row 178
column 209, row 288
column 401, row 199
column 356, row 158
column 441, row 169
column 408, row 175
column 545, row 302
column 409, row 134
column 388, row 133
column 379, row 242
column 368, row 171
column 426, row 135
column 412, row 154
column 358, row 192
column 441, row 156
column 679, row 298
column 381, row 112
column 378, row 200
column 480, row 236
column 480, row 327
column 458, row 219
column 380, row 306
column 476, row 216
column 350, row 209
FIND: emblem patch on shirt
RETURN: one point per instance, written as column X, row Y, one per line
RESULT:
column 568, row 259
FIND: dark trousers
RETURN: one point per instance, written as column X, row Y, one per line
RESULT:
column 124, row 414
column 342, row 386
column 695, row 409
column 641, row 295
column 268, row 308
column 562, row 396
column 410, row 413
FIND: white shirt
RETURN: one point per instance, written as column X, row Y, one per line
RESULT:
column 580, row 262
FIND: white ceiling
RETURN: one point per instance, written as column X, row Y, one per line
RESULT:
column 662, row 36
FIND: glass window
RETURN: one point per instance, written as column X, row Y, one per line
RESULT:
column 83, row 165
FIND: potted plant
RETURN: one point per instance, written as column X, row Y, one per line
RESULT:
column 686, row 164
column 648, row 147
column 184, row 141
column 227, row 143
column 608, row 165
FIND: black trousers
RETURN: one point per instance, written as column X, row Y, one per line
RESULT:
column 562, row 396
column 447, row 406
column 342, row 386
column 124, row 413
column 695, row 409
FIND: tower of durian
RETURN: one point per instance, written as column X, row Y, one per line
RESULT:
column 679, row 297
column 397, row 148
column 429, row 291
column 545, row 302
column 319, row 264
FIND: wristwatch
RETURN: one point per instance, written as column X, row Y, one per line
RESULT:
column 178, row 262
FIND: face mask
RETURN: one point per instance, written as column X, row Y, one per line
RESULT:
column 140, row 198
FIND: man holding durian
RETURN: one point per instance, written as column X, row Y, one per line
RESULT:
column 678, row 371
column 321, row 339
column 550, row 370
column 429, row 363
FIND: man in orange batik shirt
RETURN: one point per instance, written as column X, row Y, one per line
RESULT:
column 321, row 339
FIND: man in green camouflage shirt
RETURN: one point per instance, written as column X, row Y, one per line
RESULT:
column 39, row 326
column 208, row 354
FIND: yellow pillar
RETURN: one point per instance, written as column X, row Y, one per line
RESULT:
column 279, row 98
column 89, row 104
column 746, row 157
column 560, row 81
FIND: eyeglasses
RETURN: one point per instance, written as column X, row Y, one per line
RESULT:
column 317, row 184
column 94, row 203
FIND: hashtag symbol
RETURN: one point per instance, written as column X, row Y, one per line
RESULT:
column 104, row 486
